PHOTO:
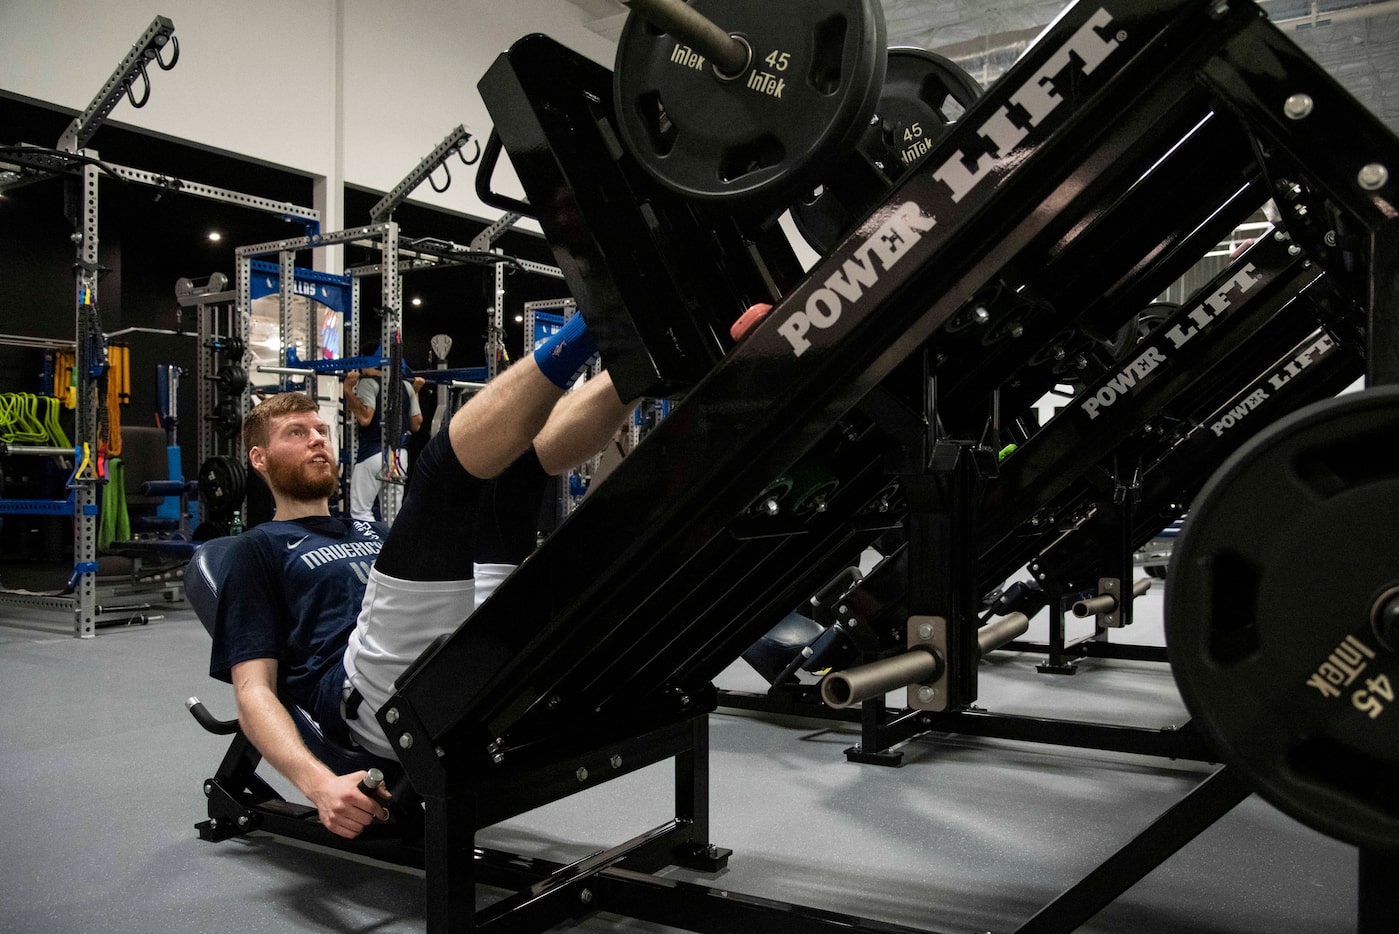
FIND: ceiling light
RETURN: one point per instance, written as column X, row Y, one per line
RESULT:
column 215, row 236
column 416, row 302
column 520, row 318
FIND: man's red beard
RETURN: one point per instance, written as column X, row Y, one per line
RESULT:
column 302, row 480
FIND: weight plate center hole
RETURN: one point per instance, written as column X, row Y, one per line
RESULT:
column 747, row 62
column 1384, row 619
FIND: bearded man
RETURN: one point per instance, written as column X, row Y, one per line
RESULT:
column 327, row 613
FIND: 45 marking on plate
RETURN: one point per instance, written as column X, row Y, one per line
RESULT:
column 1372, row 698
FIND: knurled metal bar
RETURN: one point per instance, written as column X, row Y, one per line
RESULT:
column 146, row 49
column 450, row 144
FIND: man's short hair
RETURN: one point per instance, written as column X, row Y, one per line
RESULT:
column 257, row 427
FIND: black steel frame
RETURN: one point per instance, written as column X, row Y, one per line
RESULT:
column 1171, row 449
column 241, row 802
column 875, row 373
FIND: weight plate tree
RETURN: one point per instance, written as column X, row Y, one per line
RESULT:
column 1282, row 615
column 922, row 96
column 763, row 134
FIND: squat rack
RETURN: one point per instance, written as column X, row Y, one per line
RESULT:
column 398, row 255
column 72, row 157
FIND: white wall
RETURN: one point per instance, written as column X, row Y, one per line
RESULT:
column 411, row 69
column 260, row 77
column 254, row 77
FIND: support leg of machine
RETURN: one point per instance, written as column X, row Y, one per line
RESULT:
column 449, row 857
column 870, row 750
column 692, row 803
column 1185, row 820
column 1059, row 661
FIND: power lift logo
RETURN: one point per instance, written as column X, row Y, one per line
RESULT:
column 905, row 224
column 1226, row 298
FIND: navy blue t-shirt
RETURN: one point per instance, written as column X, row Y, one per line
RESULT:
column 293, row 593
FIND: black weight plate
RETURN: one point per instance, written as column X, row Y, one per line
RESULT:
column 773, row 131
column 222, row 484
column 1273, row 588
column 232, row 379
column 1141, row 326
column 227, row 419
column 923, row 96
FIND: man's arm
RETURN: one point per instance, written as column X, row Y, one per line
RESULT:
column 361, row 410
column 415, row 412
column 342, row 807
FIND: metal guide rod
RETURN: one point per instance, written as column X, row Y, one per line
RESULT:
column 146, row 48
column 24, row 340
column 36, row 450
column 1106, row 603
column 678, row 19
column 450, row 144
column 853, row 685
column 918, row 665
column 287, row 370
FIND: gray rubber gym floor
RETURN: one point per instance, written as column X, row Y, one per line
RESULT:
column 103, row 771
